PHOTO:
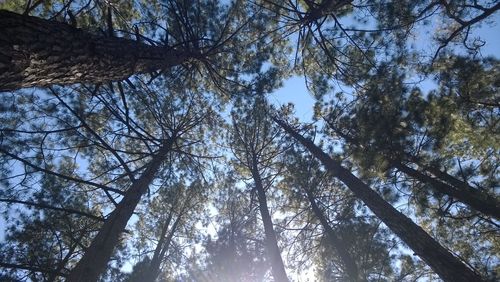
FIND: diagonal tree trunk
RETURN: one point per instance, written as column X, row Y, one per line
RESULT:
column 446, row 265
column 336, row 241
column 443, row 183
column 277, row 265
column 473, row 198
column 38, row 52
column 96, row 257
column 160, row 251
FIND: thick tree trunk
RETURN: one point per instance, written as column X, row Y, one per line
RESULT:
column 473, row 198
column 96, row 257
column 38, row 52
column 336, row 242
column 446, row 265
column 277, row 265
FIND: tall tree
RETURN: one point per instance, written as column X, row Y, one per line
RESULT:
column 445, row 264
column 175, row 126
column 38, row 52
column 357, row 255
column 237, row 252
column 124, row 147
column 254, row 142
column 411, row 134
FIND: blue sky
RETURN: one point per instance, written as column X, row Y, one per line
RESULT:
column 294, row 89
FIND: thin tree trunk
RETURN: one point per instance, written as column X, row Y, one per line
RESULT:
column 96, row 257
column 154, row 265
column 336, row 242
column 446, row 265
column 445, row 184
column 38, row 52
column 277, row 265
column 469, row 196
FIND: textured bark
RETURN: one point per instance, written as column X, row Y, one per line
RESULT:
column 446, row 265
column 277, row 265
column 336, row 242
column 38, row 52
column 473, row 198
column 96, row 257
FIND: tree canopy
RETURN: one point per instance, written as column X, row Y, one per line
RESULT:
column 138, row 141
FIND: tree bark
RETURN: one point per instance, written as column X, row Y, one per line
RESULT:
column 446, row 265
column 336, row 242
column 37, row 52
column 277, row 265
column 96, row 257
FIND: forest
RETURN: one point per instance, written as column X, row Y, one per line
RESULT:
column 140, row 140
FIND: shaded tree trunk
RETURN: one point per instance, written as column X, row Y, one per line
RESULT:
column 277, row 265
column 336, row 241
column 446, row 265
column 473, row 198
column 38, row 52
column 443, row 183
column 160, row 251
column 96, row 257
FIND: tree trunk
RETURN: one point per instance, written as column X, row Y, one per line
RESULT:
column 277, row 265
column 96, row 257
column 465, row 194
column 154, row 265
column 446, row 265
column 336, row 242
column 445, row 184
column 38, row 52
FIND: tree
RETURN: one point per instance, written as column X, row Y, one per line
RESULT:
column 38, row 52
column 161, row 132
column 445, row 264
column 305, row 180
column 238, row 251
column 253, row 140
column 405, row 136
